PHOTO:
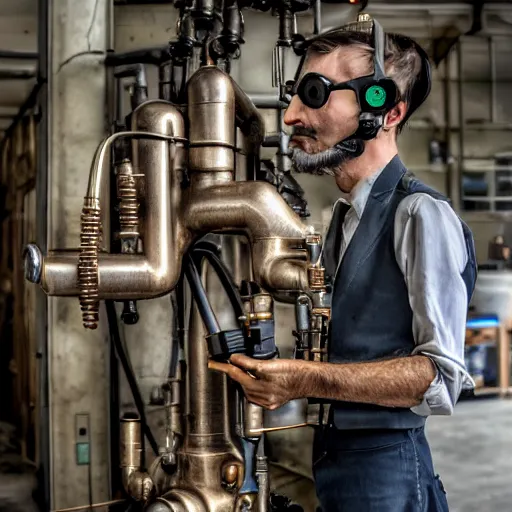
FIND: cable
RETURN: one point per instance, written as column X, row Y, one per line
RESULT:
column 223, row 274
column 115, row 338
column 205, row 309
column 177, row 328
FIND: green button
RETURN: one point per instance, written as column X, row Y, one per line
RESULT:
column 376, row 96
column 82, row 454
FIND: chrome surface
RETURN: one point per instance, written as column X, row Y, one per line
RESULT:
column 211, row 110
column 137, row 483
column 33, row 263
column 208, row 452
column 212, row 203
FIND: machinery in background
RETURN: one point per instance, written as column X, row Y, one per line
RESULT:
column 171, row 192
column 18, row 355
column 487, row 350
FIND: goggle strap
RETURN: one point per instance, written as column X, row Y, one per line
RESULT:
column 379, row 43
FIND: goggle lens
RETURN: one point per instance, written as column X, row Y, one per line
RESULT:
column 313, row 91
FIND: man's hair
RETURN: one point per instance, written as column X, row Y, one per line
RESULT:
column 402, row 61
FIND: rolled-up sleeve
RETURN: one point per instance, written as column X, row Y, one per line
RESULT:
column 431, row 252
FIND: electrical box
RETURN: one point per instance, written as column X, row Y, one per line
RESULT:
column 83, row 440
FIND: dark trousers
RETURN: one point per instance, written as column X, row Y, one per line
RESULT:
column 376, row 471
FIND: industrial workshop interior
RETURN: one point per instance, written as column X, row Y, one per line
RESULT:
column 255, row 255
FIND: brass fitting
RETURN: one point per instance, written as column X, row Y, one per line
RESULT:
column 128, row 202
column 137, row 483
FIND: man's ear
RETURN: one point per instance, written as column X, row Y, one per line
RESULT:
column 395, row 116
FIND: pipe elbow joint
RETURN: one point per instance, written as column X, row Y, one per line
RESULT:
column 280, row 264
column 138, row 484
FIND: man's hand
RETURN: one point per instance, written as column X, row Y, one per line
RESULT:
column 270, row 384
column 400, row 382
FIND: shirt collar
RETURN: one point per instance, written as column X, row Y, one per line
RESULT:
column 358, row 196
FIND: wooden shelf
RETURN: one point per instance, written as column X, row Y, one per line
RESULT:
column 493, row 390
column 488, row 199
column 502, row 342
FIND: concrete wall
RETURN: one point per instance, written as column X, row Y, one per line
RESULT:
column 78, row 358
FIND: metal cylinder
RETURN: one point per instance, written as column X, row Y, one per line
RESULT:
column 314, row 247
column 302, row 308
column 316, row 277
column 130, row 442
column 211, row 112
column 128, row 202
column 253, row 419
column 262, row 303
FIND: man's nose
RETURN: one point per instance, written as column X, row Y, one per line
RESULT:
column 293, row 114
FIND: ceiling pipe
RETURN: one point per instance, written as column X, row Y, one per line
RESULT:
column 10, row 54
column 17, row 74
column 7, row 111
column 266, row 100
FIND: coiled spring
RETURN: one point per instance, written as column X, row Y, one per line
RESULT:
column 90, row 238
column 316, row 277
column 128, row 203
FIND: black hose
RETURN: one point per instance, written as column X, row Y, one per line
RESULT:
column 177, row 328
column 196, row 287
column 224, row 276
column 115, row 338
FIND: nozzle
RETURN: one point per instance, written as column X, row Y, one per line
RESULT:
column 33, row 263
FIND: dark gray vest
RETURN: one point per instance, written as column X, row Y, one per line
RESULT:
column 371, row 315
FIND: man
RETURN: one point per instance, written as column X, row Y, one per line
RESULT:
column 404, row 267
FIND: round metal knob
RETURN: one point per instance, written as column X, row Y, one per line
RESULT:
column 33, row 263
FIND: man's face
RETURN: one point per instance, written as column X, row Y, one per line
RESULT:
column 317, row 131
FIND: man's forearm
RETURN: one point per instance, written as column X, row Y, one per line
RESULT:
column 400, row 382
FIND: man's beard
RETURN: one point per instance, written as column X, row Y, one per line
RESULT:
column 323, row 162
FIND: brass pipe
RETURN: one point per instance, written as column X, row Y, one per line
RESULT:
column 208, row 454
column 211, row 112
column 256, row 208
column 152, row 120
column 213, row 203
column 248, row 117
column 216, row 106
column 157, row 271
column 136, row 483
column 99, row 169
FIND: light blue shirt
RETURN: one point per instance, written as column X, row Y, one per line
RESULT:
column 431, row 252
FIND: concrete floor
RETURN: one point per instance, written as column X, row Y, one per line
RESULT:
column 472, row 453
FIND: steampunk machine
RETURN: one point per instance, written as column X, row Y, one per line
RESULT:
column 176, row 192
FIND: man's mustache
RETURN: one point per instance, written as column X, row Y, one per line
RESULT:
column 303, row 131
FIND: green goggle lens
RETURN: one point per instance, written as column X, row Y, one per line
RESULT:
column 376, row 96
